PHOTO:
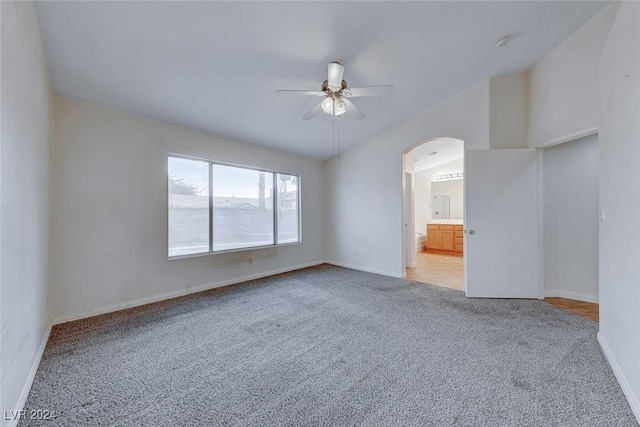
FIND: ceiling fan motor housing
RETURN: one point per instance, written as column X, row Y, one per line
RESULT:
column 327, row 89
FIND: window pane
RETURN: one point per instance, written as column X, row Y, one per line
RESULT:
column 242, row 208
column 288, row 220
column 188, row 206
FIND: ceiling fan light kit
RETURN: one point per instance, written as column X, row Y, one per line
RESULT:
column 335, row 91
column 334, row 105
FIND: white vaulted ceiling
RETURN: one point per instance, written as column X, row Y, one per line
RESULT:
column 446, row 150
column 215, row 66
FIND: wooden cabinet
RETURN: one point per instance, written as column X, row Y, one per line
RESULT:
column 433, row 238
column 445, row 238
column 459, row 239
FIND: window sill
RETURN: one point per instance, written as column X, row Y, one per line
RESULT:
column 228, row 251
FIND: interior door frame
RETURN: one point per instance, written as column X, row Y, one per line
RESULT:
column 573, row 136
column 408, row 200
column 540, row 173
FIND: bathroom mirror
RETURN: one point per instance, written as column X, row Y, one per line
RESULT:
column 447, row 199
column 440, row 207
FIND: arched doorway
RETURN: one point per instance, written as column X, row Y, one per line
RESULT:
column 433, row 212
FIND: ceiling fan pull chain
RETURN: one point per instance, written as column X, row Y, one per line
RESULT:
column 333, row 138
column 339, row 140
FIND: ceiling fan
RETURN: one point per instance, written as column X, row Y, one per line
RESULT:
column 336, row 92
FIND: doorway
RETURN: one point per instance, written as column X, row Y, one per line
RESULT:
column 433, row 212
column 571, row 225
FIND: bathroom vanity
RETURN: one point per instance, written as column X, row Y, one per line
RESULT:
column 445, row 238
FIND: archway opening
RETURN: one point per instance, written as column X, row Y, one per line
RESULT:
column 433, row 212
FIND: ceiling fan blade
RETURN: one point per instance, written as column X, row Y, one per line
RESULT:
column 353, row 111
column 368, row 91
column 335, row 71
column 315, row 110
column 300, row 92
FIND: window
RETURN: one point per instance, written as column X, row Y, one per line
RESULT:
column 287, row 208
column 242, row 208
column 188, row 206
column 215, row 207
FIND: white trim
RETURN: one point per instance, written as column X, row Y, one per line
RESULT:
column 174, row 294
column 22, row 400
column 569, row 137
column 540, row 203
column 572, row 295
column 626, row 389
column 368, row 270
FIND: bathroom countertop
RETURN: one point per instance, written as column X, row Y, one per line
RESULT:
column 446, row 221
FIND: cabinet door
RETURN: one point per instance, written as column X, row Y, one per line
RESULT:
column 447, row 240
column 433, row 239
column 459, row 235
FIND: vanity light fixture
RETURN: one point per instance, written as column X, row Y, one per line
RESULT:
column 449, row 176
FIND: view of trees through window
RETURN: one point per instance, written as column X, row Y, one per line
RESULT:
column 215, row 207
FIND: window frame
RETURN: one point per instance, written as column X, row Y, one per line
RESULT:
column 274, row 194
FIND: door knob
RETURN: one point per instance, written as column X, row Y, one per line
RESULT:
column 472, row 231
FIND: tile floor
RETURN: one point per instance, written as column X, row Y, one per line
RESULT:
column 437, row 269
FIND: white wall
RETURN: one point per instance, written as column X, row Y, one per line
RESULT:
column 364, row 208
column 619, row 121
column 563, row 85
column 110, row 232
column 422, row 191
column 508, row 110
column 24, row 213
column 570, row 218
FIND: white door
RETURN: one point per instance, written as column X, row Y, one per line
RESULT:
column 501, row 222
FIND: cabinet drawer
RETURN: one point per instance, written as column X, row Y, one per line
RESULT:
column 433, row 227
column 446, row 227
column 459, row 233
column 459, row 241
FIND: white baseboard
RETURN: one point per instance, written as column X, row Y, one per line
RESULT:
column 32, row 375
column 368, row 270
column 628, row 393
column 572, row 295
column 174, row 294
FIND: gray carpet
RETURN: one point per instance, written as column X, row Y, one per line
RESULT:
column 330, row 346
